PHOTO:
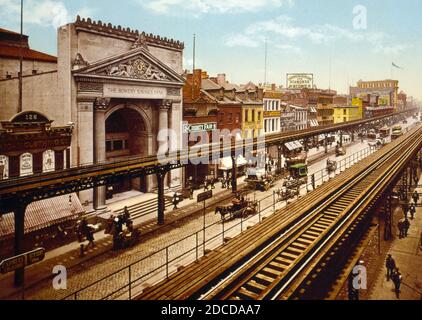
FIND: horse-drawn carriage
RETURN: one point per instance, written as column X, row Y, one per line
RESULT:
column 331, row 165
column 262, row 184
column 340, row 151
column 385, row 132
column 239, row 208
column 284, row 195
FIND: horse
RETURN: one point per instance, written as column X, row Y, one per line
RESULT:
column 223, row 211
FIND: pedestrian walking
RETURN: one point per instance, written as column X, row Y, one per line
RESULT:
column 175, row 201
column 400, row 225
column 415, row 197
column 90, row 237
column 412, row 211
column 406, row 226
column 391, row 266
column 191, row 193
column 397, row 278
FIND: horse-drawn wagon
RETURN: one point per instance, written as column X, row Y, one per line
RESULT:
column 239, row 208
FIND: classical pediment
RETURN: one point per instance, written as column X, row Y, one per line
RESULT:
column 137, row 64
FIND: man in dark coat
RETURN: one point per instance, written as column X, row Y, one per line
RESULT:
column 390, row 264
column 397, row 278
column 415, row 197
column 412, row 211
column 406, row 226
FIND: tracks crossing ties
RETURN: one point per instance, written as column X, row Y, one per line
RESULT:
column 273, row 260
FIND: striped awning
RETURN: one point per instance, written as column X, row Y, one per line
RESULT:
column 313, row 123
column 43, row 214
column 226, row 163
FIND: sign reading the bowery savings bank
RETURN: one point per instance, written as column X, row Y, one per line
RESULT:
column 300, row 80
column 137, row 92
column 199, row 127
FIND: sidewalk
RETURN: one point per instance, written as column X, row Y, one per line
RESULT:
column 407, row 253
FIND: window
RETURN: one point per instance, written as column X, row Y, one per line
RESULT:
column 117, row 145
column 253, row 115
column 259, row 116
column 246, row 116
column 109, row 146
column 221, row 116
column 230, row 117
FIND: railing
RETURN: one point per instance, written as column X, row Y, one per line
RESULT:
column 161, row 264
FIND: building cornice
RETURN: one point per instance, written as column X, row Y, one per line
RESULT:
column 89, row 25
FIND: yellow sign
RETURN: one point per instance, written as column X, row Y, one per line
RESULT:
column 357, row 102
column 272, row 114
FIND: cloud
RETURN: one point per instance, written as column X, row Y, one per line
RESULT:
column 288, row 35
column 391, row 50
column 198, row 7
column 46, row 13
column 288, row 48
column 241, row 40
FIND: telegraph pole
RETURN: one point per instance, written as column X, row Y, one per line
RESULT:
column 266, row 61
column 20, row 106
column 193, row 66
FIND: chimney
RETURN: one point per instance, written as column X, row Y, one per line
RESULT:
column 273, row 87
column 221, row 79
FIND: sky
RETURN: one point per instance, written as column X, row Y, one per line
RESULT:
column 340, row 42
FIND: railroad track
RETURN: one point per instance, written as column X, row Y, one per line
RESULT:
column 271, row 273
column 271, row 267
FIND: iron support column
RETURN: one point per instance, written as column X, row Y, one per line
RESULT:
column 160, row 199
column 19, row 213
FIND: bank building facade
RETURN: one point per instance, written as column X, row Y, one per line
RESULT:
column 116, row 88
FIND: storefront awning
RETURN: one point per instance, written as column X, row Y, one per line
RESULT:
column 313, row 123
column 226, row 163
column 43, row 214
column 293, row 145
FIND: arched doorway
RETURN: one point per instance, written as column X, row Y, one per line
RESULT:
column 126, row 135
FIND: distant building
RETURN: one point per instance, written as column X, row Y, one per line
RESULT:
column 385, row 90
column 293, row 117
column 200, row 113
column 347, row 113
column 272, row 110
column 34, row 62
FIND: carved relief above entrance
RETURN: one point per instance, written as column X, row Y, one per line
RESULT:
column 136, row 68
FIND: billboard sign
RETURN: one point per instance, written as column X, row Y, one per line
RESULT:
column 199, row 127
column 300, row 81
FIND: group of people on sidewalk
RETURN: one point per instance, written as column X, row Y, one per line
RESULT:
column 404, row 224
column 394, row 274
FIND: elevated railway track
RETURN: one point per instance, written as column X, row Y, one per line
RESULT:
column 46, row 185
column 292, row 254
